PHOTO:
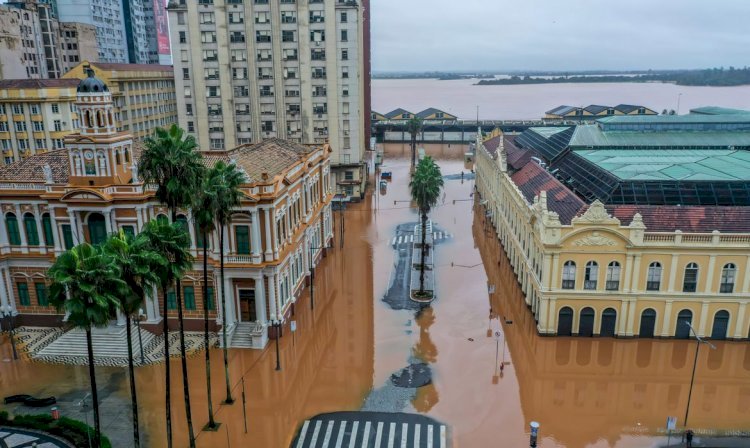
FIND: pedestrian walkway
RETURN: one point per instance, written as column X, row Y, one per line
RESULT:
column 371, row 430
column 20, row 438
column 408, row 239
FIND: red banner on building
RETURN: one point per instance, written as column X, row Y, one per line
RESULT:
column 162, row 26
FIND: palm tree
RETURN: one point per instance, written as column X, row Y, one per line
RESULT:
column 173, row 242
column 204, row 212
column 137, row 264
column 413, row 127
column 171, row 161
column 228, row 197
column 85, row 283
column 425, row 190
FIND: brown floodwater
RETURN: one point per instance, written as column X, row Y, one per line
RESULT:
column 585, row 392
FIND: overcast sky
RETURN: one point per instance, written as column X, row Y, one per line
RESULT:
column 421, row 35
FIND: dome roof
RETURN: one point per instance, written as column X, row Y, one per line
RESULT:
column 92, row 84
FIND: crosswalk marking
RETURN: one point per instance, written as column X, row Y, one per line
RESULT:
column 404, row 433
column 340, row 438
column 315, row 433
column 327, row 438
column 417, row 429
column 442, row 436
column 391, row 434
column 429, row 436
column 302, row 434
column 379, row 435
column 355, row 426
column 366, row 438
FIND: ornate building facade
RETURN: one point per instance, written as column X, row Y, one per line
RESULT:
column 53, row 201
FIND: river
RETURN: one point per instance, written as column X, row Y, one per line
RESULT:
column 530, row 101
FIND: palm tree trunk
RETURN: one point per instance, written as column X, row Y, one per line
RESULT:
column 183, row 359
column 168, row 378
column 413, row 151
column 131, row 371
column 211, row 422
column 229, row 399
column 424, row 251
column 94, row 393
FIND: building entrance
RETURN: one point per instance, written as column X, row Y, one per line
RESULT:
column 247, row 305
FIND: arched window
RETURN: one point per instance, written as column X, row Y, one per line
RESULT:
column 565, row 321
column 127, row 155
column 613, row 276
column 682, row 328
column 11, row 225
column 586, row 325
column 653, row 282
column 99, row 119
column 29, row 225
column 49, row 238
column 97, row 228
column 648, row 323
column 721, row 325
column 117, row 157
column 87, row 116
column 609, row 320
column 728, row 275
column 591, row 275
column 690, row 281
column 569, row 275
column 162, row 218
column 110, row 121
column 182, row 221
column 102, row 164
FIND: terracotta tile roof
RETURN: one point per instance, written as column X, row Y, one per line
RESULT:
column 533, row 179
column 517, row 157
column 38, row 83
column 492, row 144
column 131, row 67
column 668, row 218
column 30, row 169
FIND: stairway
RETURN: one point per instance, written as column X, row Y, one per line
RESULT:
column 109, row 342
column 248, row 335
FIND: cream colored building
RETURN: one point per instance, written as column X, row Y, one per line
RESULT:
column 143, row 94
column 617, row 270
column 247, row 71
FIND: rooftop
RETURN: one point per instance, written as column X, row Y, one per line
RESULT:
column 668, row 218
column 631, row 131
column 396, row 112
column 715, row 110
column 38, row 83
column 132, row 67
column 533, row 179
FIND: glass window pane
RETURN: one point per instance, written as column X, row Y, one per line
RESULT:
column 23, row 294
column 189, row 297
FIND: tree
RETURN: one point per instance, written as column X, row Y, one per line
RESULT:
column 414, row 127
column 425, row 188
column 173, row 243
column 171, row 161
column 204, row 213
column 228, row 197
column 85, row 283
column 137, row 264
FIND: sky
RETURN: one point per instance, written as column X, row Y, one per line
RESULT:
column 424, row 35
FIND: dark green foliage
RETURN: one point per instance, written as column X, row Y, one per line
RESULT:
column 71, row 430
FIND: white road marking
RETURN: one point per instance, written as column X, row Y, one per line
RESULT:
column 442, row 436
column 379, row 435
column 429, row 436
column 417, row 429
column 314, row 439
column 340, row 438
column 302, row 434
column 366, row 437
column 353, row 440
column 329, row 430
column 391, row 435
column 404, row 432
column 394, row 241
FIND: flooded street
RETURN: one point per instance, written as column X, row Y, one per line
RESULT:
column 584, row 392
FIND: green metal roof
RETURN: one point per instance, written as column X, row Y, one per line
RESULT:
column 671, row 164
column 592, row 135
column 669, row 119
column 549, row 131
column 715, row 110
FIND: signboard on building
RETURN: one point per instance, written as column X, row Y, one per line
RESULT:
column 162, row 31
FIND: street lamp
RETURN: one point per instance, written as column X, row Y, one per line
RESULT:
column 312, row 273
column 7, row 313
column 699, row 340
column 277, row 327
column 140, row 338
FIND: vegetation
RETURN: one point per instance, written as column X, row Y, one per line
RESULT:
column 85, row 285
column 425, row 188
column 171, row 161
column 709, row 77
column 71, row 430
column 414, row 127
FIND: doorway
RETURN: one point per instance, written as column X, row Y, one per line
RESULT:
column 247, row 305
column 586, row 326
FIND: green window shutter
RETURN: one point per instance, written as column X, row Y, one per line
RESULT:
column 31, row 234
column 129, row 231
column 14, row 236
column 189, row 297
column 41, row 294
column 242, row 236
column 210, row 298
column 171, row 300
column 49, row 238
column 199, row 239
column 23, row 294
column 67, row 236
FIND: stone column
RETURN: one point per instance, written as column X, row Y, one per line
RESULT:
column 11, row 294
column 139, row 219
column 667, row 319
column 39, row 230
column 269, row 242
column 255, row 239
column 636, row 273
column 260, row 300
column 226, row 239
column 543, row 314
column 3, row 296
column 73, row 227
column 22, row 229
column 108, row 221
column 672, row 273
column 622, row 318
column 746, row 280
column 191, row 230
column 552, row 316
column 703, row 319
column 4, row 243
column 740, row 322
column 555, row 270
column 710, row 274
column 272, row 296
column 230, row 319
column 152, row 306
column 120, row 318
column 58, row 244
column 630, row 328
column 547, row 273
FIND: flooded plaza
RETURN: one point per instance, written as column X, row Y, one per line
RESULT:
column 585, row 392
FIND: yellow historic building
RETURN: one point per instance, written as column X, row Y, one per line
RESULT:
column 597, row 265
column 143, row 94
column 90, row 188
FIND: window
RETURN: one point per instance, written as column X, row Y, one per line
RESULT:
column 55, row 108
column 728, row 274
column 236, row 17
column 129, row 231
column 242, row 237
column 653, row 282
column 49, row 240
column 591, row 275
column 188, row 109
column 344, row 72
column 344, row 55
column 18, row 109
column 185, row 73
column 206, row 17
column 29, row 224
column 189, row 294
column 349, row 175
column 344, row 35
column 191, row 126
column 38, row 125
column 20, row 126
column 210, row 293
column 183, row 37
column 288, row 16
column 34, row 109
column 171, row 300
column 343, row 17
column 23, row 293
column 180, row 18
column 58, row 125
column 690, row 282
column 41, row 294
column 239, row 55
column 569, row 275
column 67, row 236
column 216, row 143
column 210, row 55
column 208, row 37
column 11, row 225
column 613, row 276
column 287, row 36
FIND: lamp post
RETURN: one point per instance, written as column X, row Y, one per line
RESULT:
column 699, row 340
column 7, row 313
column 140, row 338
column 277, row 326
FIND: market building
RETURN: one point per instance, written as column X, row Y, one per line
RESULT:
column 90, row 188
column 630, row 226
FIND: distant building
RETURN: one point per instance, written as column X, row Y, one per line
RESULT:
column 399, row 114
column 143, row 94
column 594, row 111
column 435, row 114
column 713, row 110
column 377, row 116
column 630, row 226
column 78, row 43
